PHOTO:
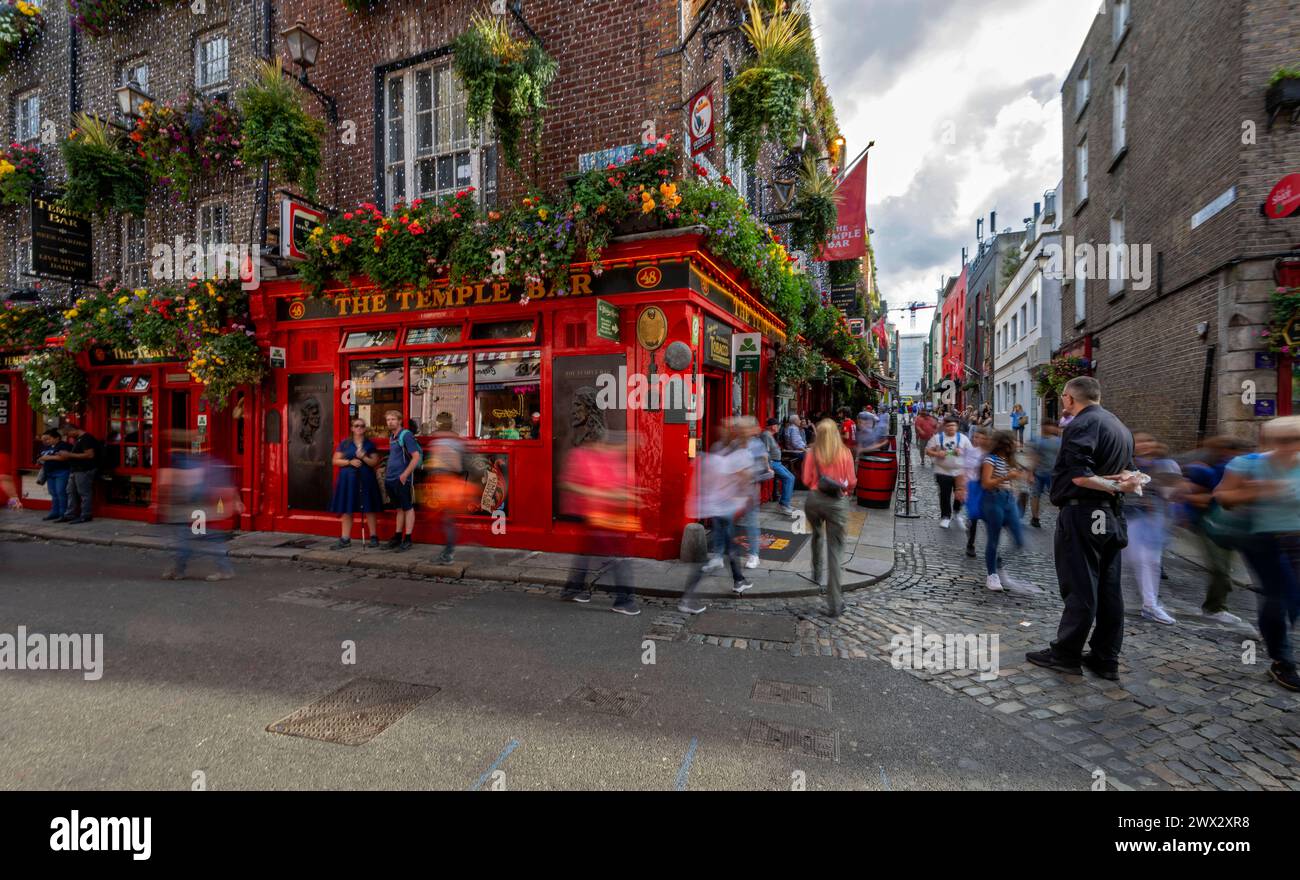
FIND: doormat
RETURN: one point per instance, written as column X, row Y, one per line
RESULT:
column 739, row 625
column 776, row 545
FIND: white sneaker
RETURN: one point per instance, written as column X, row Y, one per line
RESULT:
column 1224, row 617
column 945, row 522
column 1159, row 615
column 751, row 562
column 741, row 587
column 962, row 522
column 789, row 511
column 994, row 583
column 1016, row 585
column 686, row 608
column 714, row 563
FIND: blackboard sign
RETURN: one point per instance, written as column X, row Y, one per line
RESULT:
column 61, row 241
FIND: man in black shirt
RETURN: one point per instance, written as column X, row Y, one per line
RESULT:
column 82, row 461
column 1093, row 472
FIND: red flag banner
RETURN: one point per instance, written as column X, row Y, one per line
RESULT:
column 849, row 241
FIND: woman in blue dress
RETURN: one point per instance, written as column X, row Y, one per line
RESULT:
column 357, row 488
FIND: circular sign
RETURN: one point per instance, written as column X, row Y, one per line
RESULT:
column 649, row 277
column 701, row 117
column 677, row 356
column 1284, row 200
column 297, row 309
column 652, row 328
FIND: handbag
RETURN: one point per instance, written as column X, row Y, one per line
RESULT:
column 41, row 476
column 828, row 487
column 1228, row 528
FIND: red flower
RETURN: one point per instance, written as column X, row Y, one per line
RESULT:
column 726, row 181
column 415, row 228
column 347, row 216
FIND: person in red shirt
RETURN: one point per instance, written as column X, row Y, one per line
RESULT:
column 829, row 474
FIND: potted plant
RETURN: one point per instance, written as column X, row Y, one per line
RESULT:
column 505, row 81
column 1283, row 91
column 192, row 138
column 224, row 362
column 101, row 173
column 21, row 24
column 55, row 382
column 766, row 96
column 278, row 130
column 816, row 204
column 22, row 172
column 100, row 17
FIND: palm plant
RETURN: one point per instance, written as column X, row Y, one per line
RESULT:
column 767, row 95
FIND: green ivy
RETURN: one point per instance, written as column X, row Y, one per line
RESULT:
column 278, row 130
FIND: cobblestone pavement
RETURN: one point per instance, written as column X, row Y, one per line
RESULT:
column 1188, row 712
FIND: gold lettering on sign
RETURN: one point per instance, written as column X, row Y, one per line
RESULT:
column 581, row 285
column 500, row 292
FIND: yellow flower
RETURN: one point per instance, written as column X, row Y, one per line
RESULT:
column 123, row 300
column 141, row 293
column 542, row 212
column 70, row 314
column 319, row 230
column 25, row 8
column 211, row 290
column 5, row 167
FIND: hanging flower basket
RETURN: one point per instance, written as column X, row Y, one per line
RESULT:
column 766, row 96
column 25, row 326
column 278, row 130
column 1051, row 378
column 1284, row 321
column 56, row 384
column 22, row 172
column 21, row 26
column 102, row 173
column 1283, row 92
column 225, row 362
column 181, row 142
column 100, row 17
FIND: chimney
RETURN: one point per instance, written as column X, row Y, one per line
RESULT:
column 963, row 256
column 993, row 222
column 979, row 229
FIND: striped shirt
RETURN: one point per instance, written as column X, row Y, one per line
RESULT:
column 1000, row 469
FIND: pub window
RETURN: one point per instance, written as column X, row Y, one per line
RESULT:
column 135, row 252
column 429, row 148
column 129, row 444
column 503, row 330
column 27, row 117
column 214, row 226
column 507, row 395
column 136, row 71
column 369, row 339
column 439, row 391
column 433, row 335
column 212, row 61
column 377, row 387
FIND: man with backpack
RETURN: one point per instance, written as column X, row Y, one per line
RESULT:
column 399, row 478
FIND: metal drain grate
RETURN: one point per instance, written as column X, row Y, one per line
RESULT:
column 624, row 704
column 811, row 741
column 786, row 694
column 355, row 713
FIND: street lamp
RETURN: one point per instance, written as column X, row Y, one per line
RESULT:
column 303, row 49
column 130, row 99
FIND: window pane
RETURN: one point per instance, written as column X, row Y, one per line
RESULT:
column 444, row 173
column 371, row 339
column 507, row 392
column 502, row 330
column 464, row 170
column 440, row 392
column 428, row 176
column 377, row 386
column 424, row 91
column 396, row 130
column 433, row 335
column 396, row 183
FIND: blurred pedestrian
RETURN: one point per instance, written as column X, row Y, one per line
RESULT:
column 55, row 471
column 829, row 472
column 1018, row 422
column 997, row 507
column 925, row 426
column 448, row 486
column 719, row 494
column 1265, row 488
column 1044, row 450
column 83, row 465
column 597, row 489
column 795, row 442
column 970, row 488
column 784, row 490
column 745, row 433
column 1093, row 472
column 947, row 449
column 356, row 489
column 1200, row 479
column 197, row 491
column 1148, row 523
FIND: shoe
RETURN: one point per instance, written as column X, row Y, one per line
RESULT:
column 52, row 517
column 789, row 511
column 1035, row 523
column 1101, row 670
column 372, row 541
column 1016, row 585
column 970, row 551
column 219, row 576
column 714, row 563
column 630, row 609
column 742, row 587
column 172, row 574
column 752, row 561
column 405, row 545
column 582, row 597
column 994, row 583
column 962, row 521
column 1284, row 675
column 945, row 522
column 445, row 558
column 66, row 519
column 1159, row 615
column 81, row 519
column 394, row 542
column 1049, row 660
column 691, row 608
column 1224, row 617
column 341, row 544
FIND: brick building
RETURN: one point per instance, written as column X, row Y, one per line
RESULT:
column 1167, row 148
column 986, row 277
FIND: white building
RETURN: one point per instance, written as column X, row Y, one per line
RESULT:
column 1027, row 323
column 911, row 365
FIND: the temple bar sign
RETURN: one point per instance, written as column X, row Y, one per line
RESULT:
column 61, row 241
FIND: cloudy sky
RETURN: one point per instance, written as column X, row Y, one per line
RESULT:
column 963, row 101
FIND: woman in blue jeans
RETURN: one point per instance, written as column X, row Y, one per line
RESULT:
column 56, row 472
column 998, row 506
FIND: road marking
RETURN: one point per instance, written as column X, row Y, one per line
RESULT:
column 505, row 753
column 685, row 770
column 884, row 778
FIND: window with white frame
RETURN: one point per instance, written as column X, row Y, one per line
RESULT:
column 212, row 61
column 429, row 148
column 215, row 227
column 1033, row 303
column 1081, row 88
column 1024, row 322
column 27, row 117
column 1119, row 123
column 1081, row 159
column 1014, row 325
column 1080, row 289
column 135, row 252
column 1117, row 255
column 136, row 71
column 1120, row 20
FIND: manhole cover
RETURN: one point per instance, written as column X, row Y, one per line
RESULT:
column 624, row 704
column 355, row 713
column 811, row 741
column 786, row 694
column 738, row 625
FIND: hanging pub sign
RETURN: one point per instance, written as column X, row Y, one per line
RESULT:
column 606, row 320
column 846, row 300
column 717, row 344
column 61, row 241
column 857, row 327
column 747, row 352
column 700, row 109
column 296, row 224
column 1284, row 200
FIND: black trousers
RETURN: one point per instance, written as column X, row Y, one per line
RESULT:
column 947, row 485
column 1088, row 565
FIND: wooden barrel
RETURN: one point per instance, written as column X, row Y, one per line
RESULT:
column 877, row 474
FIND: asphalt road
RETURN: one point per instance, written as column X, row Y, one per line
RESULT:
column 194, row 672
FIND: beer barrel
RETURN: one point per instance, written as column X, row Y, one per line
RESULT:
column 877, row 474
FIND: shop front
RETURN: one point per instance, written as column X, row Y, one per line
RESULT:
column 639, row 354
